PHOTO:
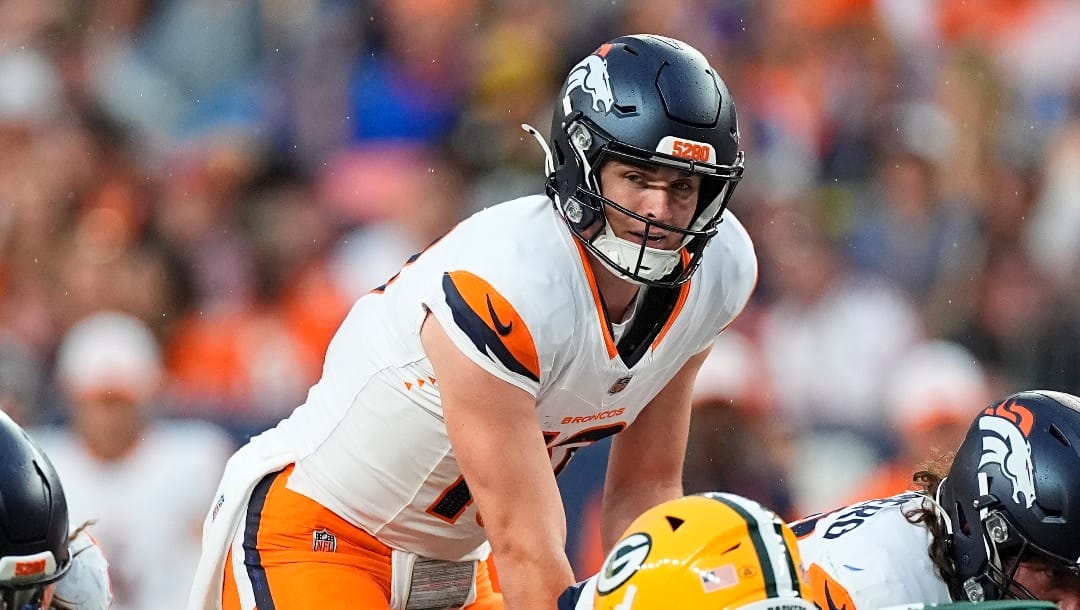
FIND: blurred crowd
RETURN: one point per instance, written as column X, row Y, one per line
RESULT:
column 196, row 191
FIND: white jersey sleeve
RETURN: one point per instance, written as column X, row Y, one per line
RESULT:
column 868, row 556
column 86, row 584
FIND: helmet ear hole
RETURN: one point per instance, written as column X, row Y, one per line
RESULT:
column 560, row 156
column 962, row 524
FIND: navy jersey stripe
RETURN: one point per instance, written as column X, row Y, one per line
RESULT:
column 252, row 561
column 483, row 336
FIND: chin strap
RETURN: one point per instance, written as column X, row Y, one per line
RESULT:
column 936, row 501
column 984, row 512
column 974, row 587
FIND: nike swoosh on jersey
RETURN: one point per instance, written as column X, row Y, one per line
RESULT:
column 830, row 602
column 502, row 329
column 826, row 591
column 491, row 323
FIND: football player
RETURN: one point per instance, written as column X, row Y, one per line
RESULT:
column 715, row 551
column 1001, row 604
column 42, row 566
column 452, row 395
column 1002, row 522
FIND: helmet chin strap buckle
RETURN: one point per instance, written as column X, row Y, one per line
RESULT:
column 974, row 591
column 997, row 528
column 580, row 136
column 574, row 211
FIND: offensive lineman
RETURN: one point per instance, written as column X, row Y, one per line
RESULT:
column 452, row 395
column 42, row 565
column 1002, row 523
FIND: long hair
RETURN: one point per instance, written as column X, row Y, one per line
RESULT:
column 934, row 519
column 59, row 603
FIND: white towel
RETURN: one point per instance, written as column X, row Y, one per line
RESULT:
column 262, row 456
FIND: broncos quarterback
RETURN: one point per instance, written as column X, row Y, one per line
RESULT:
column 452, row 396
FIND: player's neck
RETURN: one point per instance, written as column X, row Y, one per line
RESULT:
column 618, row 293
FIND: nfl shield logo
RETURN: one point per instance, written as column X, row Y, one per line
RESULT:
column 322, row 540
column 619, row 384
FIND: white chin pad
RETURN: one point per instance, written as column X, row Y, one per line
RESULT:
column 655, row 264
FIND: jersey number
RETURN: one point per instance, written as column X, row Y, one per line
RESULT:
column 453, row 501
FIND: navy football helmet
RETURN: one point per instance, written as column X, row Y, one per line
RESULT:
column 33, row 522
column 1013, row 493
column 648, row 100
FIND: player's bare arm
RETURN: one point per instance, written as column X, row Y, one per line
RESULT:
column 499, row 446
column 646, row 461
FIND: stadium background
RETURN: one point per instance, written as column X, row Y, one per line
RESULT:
column 234, row 174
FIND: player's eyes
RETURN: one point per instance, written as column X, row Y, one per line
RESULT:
column 1044, row 571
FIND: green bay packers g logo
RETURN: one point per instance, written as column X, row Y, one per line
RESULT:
column 625, row 559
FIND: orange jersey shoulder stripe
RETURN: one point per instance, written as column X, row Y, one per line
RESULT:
column 491, row 322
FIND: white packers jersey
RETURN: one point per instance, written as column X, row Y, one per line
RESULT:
column 515, row 293
column 868, row 556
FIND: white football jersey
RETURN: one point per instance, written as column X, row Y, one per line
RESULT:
column 86, row 585
column 514, row 291
column 868, row 556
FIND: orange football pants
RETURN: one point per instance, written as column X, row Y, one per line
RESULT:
column 282, row 570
